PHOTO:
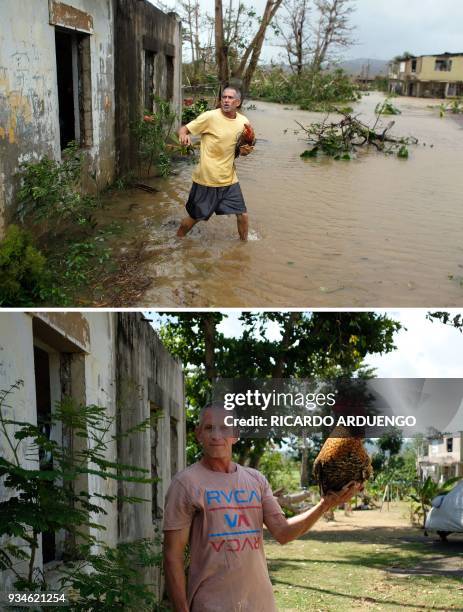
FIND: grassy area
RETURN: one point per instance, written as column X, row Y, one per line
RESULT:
column 369, row 560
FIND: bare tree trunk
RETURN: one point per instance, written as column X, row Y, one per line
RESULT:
column 295, row 33
column 196, row 32
column 244, row 70
column 221, row 52
column 280, row 364
column 304, row 461
column 209, row 345
column 333, row 29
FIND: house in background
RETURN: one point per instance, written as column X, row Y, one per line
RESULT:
column 114, row 360
column 427, row 76
column 443, row 458
column 80, row 70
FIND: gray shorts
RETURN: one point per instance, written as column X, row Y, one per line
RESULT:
column 205, row 201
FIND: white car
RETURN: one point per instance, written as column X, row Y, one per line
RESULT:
column 446, row 514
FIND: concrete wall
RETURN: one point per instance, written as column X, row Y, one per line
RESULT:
column 29, row 116
column 114, row 360
column 438, row 450
column 438, row 463
column 428, row 72
column 140, row 26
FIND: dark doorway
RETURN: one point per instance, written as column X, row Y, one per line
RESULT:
column 43, row 402
column 66, row 82
column 73, row 73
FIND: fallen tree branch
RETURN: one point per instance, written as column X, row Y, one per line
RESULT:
column 341, row 139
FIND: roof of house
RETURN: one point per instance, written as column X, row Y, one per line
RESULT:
column 445, row 54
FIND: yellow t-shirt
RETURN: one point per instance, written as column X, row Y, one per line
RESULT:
column 219, row 134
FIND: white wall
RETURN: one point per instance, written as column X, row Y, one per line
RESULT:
column 29, row 116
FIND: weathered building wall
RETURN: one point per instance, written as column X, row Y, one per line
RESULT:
column 113, row 360
column 29, row 110
column 16, row 330
column 441, row 464
column 425, row 80
column 428, row 72
column 142, row 32
column 149, row 384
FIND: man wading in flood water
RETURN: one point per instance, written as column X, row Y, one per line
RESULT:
column 215, row 186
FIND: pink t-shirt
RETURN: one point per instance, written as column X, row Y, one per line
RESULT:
column 225, row 513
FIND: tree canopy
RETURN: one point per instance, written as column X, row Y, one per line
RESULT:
column 302, row 345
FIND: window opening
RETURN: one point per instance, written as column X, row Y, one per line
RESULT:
column 170, row 77
column 173, row 446
column 443, row 65
column 149, row 80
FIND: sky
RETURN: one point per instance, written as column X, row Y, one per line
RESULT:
column 425, row 349
column 385, row 28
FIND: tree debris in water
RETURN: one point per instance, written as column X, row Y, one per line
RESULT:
column 341, row 139
column 387, row 108
column 455, row 107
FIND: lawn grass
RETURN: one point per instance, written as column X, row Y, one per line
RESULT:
column 367, row 561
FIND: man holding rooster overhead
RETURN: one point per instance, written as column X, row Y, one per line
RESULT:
column 225, row 134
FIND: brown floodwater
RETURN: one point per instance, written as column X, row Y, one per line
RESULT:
column 374, row 231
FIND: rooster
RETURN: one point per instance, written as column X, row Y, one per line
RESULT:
column 247, row 137
column 341, row 460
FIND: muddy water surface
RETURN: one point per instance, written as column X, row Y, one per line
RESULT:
column 375, row 231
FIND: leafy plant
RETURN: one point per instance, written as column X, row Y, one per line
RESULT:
column 44, row 497
column 80, row 259
column 153, row 132
column 111, row 580
column 455, row 107
column 280, row 471
column 387, row 108
column 341, row 139
column 314, row 91
column 402, row 153
column 51, row 189
column 22, row 269
column 426, row 491
column 194, row 110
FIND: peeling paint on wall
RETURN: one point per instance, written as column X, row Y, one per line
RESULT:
column 29, row 104
column 69, row 17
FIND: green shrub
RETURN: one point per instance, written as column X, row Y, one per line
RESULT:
column 153, row 132
column 387, row 108
column 315, row 91
column 51, row 189
column 112, row 581
column 191, row 112
column 280, row 471
column 22, row 269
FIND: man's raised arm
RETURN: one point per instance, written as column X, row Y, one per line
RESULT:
column 285, row 530
column 175, row 542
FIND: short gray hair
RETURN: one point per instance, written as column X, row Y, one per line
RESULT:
column 213, row 406
column 235, row 89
